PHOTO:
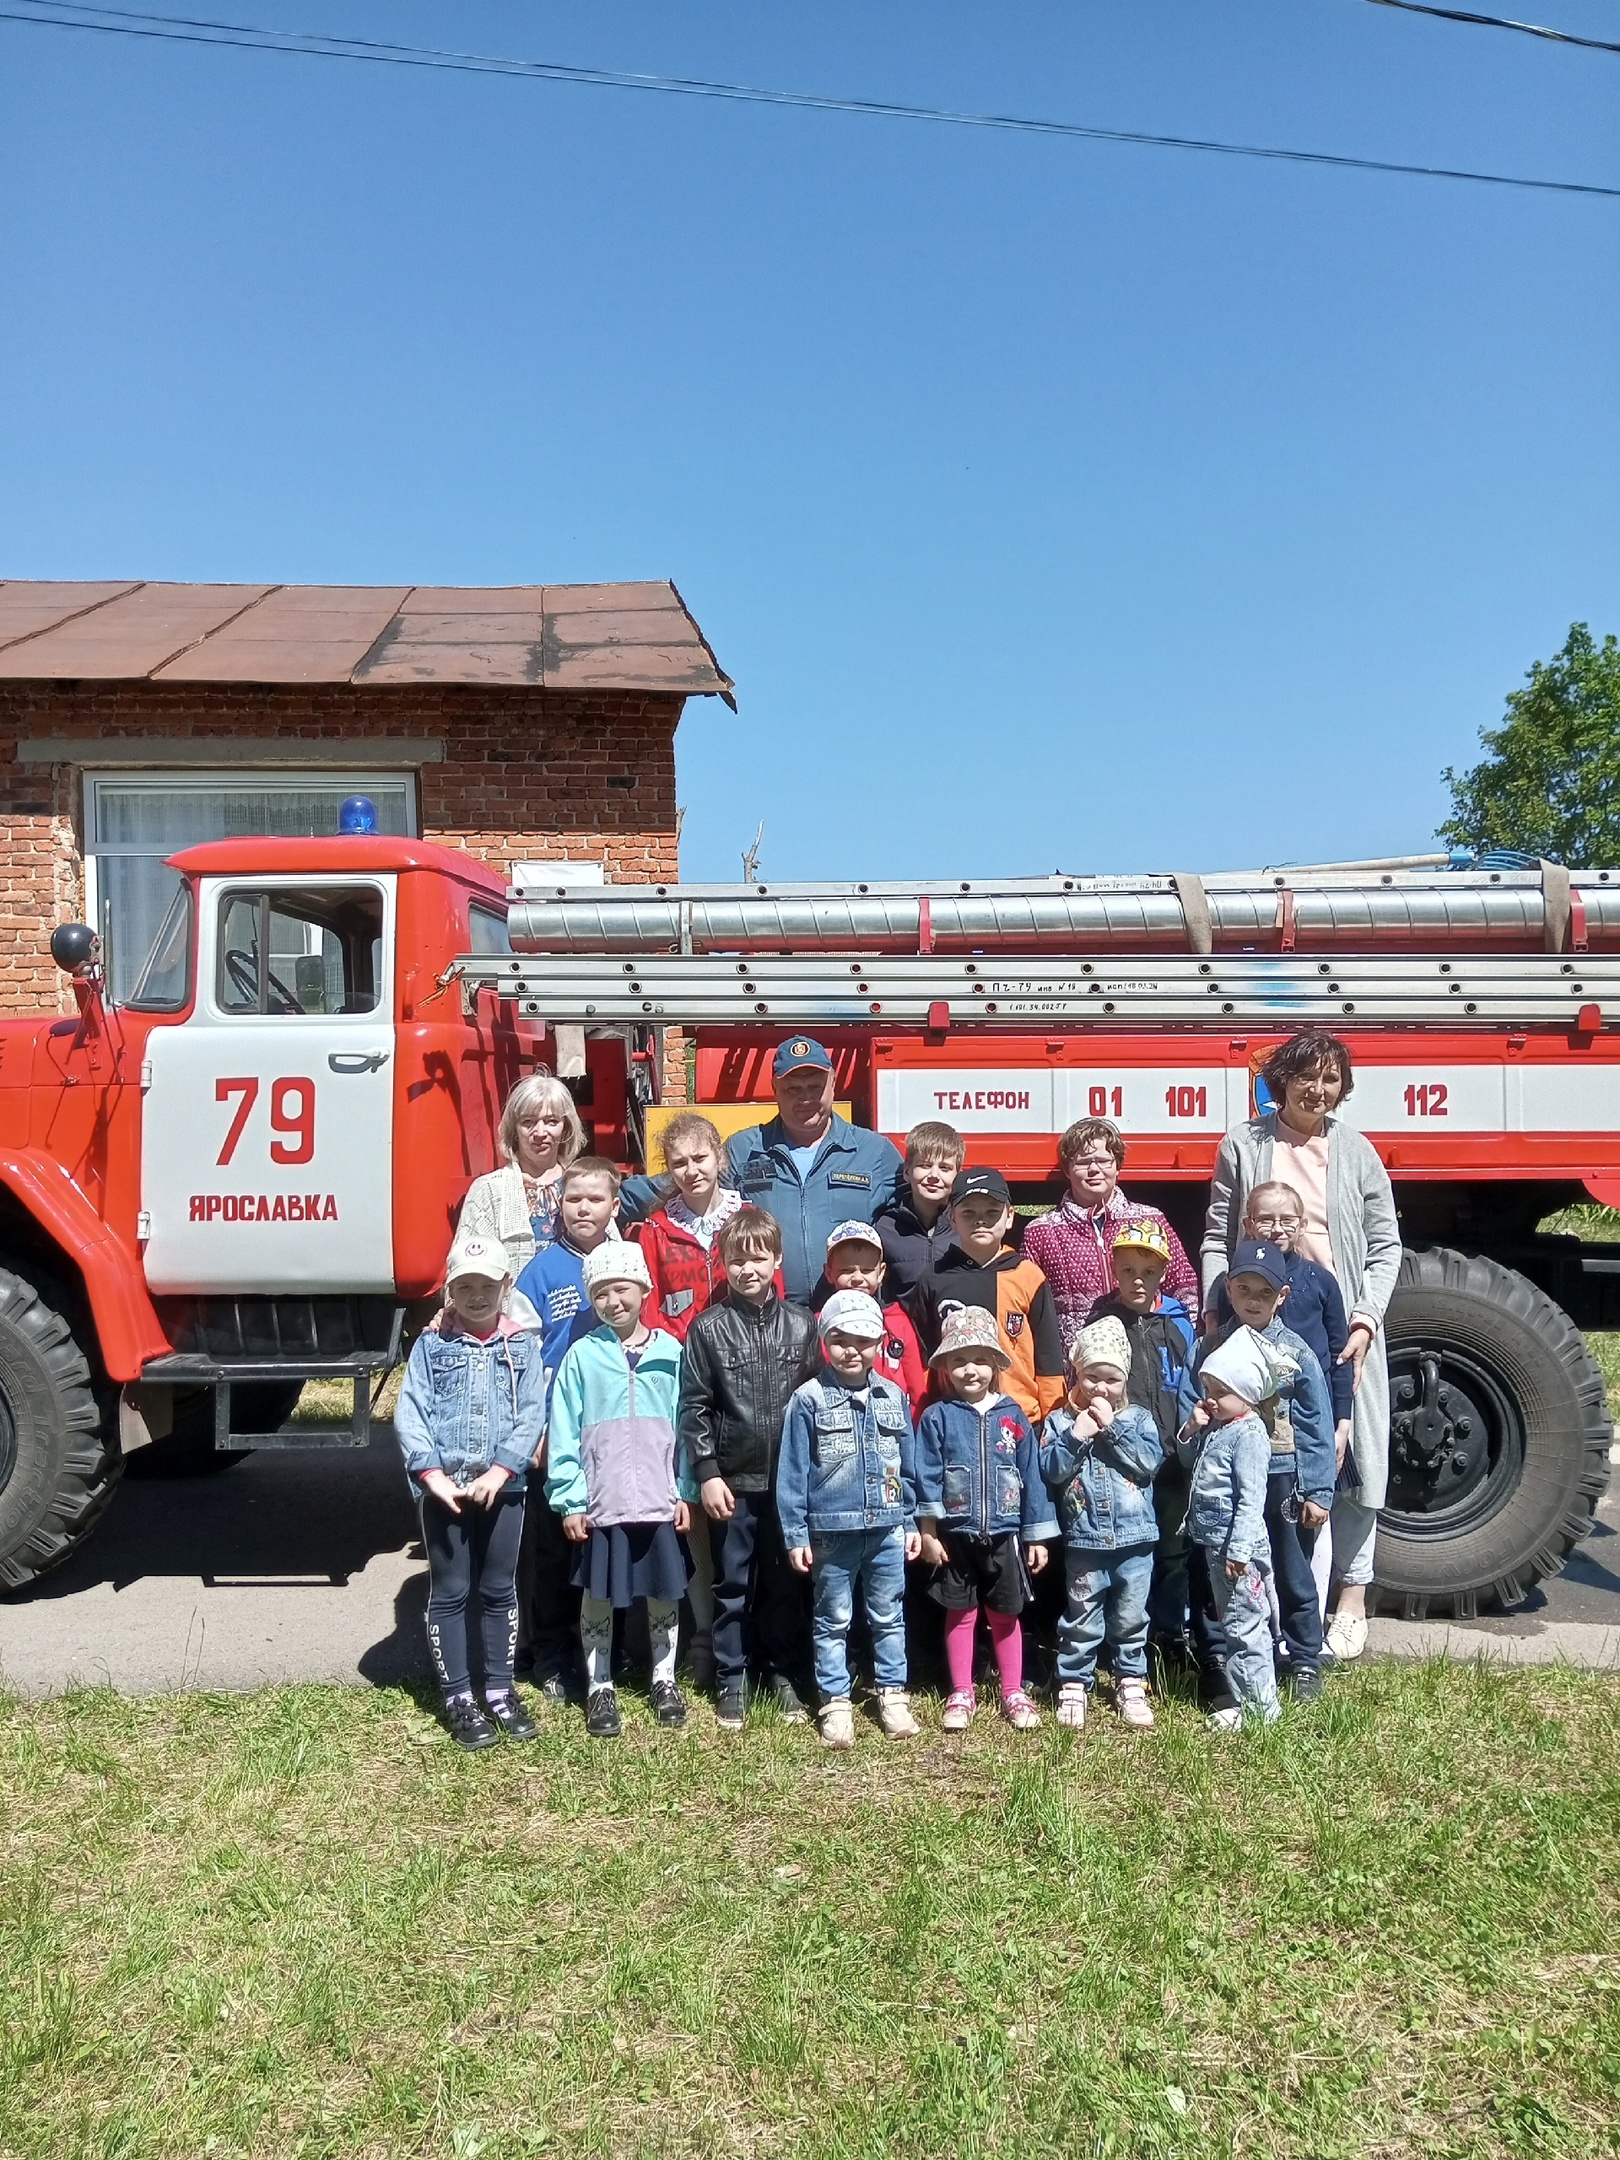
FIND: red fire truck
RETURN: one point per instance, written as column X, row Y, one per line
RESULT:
column 247, row 1174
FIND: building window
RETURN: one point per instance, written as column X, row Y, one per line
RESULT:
column 133, row 821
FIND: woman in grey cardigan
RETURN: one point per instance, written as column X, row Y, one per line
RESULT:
column 1350, row 1227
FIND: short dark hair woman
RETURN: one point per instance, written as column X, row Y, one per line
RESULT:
column 1350, row 1227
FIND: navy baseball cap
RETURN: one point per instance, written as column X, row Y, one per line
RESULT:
column 1255, row 1257
column 976, row 1184
column 799, row 1054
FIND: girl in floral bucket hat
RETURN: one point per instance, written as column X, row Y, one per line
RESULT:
column 982, row 1510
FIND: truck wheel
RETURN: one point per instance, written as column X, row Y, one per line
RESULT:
column 189, row 1450
column 57, row 1471
column 1499, row 1437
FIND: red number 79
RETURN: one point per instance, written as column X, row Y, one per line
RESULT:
column 292, row 1115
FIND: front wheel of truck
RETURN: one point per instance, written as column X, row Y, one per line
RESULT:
column 58, row 1471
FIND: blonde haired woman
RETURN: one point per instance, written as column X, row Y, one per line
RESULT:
column 540, row 1135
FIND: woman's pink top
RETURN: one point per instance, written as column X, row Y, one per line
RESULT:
column 1303, row 1164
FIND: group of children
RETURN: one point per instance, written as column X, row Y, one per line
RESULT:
column 695, row 1435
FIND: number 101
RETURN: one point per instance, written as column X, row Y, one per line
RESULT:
column 1187, row 1101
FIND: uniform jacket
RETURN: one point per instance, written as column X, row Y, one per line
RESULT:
column 846, row 1461
column 1366, row 1236
column 1103, row 1481
column 1315, row 1312
column 1017, row 1293
column 611, row 1453
column 911, row 1246
column 1300, row 1438
column 467, row 1405
column 853, row 1175
column 742, row 1364
column 1226, row 1507
column 978, row 1470
column 1075, row 1251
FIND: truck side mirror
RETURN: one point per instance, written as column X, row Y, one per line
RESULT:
column 75, row 947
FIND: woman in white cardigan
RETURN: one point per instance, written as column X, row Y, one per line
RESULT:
column 1350, row 1227
column 516, row 1205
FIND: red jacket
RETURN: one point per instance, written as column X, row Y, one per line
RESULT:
column 899, row 1357
column 685, row 1278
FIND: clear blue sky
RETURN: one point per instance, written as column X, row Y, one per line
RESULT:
column 1052, row 504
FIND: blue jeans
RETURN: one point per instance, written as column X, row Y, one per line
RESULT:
column 876, row 1561
column 1108, row 1601
column 1245, row 1610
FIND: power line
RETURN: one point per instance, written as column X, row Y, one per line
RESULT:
column 182, row 29
column 1500, row 22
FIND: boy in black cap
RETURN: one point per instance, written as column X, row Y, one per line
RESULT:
column 982, row 1269
column 1304, row 1467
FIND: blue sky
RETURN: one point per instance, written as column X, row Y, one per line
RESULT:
column 1052, row 504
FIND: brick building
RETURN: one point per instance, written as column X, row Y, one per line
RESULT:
column 522, row 723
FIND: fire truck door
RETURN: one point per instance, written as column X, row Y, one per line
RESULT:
column 268, row 1118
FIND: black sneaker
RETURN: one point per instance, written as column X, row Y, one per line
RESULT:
column 469, row 1727
column 669, row 1704
column 555, row 1687
column 789, row 1702
column 602, row 1714
column 509, row 1714
column 1304, row 1683
column 731, row 1707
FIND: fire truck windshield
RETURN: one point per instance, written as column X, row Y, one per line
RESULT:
column 164, row 981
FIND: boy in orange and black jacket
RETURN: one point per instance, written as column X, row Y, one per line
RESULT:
column 983, row 1270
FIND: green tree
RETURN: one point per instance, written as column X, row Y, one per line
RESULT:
column 1551, row 784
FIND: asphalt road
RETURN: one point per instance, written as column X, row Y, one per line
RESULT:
column 305, row 1567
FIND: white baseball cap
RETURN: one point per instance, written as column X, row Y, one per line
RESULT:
column 852, row 1312
column 477, row 1256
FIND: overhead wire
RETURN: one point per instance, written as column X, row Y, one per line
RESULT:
column 183, row 29
column 1499, row 22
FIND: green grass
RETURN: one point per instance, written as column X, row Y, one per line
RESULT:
column 302, row 1923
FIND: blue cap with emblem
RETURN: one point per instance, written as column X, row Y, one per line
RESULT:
column 799, row 1054
column 1255, row 1257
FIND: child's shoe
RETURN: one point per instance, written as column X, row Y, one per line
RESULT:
column 894, row 1714
column 957, row 1714
column 469, row 1727
column 731, row 1707
column 1130, row 1700
column 700, row 1658
column 1227, row 1719
column 837, row 1722
column 669, row 1704
column 1020, row 1713
column 602, row 1714
column 789, row 1702
column 1071, row 1710
column 507, row 1711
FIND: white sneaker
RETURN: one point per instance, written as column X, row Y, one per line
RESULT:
column 1130, row 1700
column 1071, row 1707
column 1347, row 1636
column 894, row 1714
column 837, row 1722
column 1228, row 1720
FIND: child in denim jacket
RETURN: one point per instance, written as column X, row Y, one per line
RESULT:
column 979, row 1492
column 1100, row 1455
column 1228, row 1447
column 847, row 1502
column 468, row 1420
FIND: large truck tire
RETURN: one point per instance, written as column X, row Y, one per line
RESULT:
column 189, row 1450
column 1499, row 1437
column 58, row 1469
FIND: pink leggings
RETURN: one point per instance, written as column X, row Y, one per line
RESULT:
column 1005, row 1634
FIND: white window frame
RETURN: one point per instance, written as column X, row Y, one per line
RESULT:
column 273, row 778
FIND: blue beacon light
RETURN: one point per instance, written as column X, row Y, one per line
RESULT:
column 357, row 815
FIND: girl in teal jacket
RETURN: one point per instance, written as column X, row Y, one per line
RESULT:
column 612, row 1476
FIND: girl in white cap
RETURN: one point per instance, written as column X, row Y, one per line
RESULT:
column 1099, row 1454
column 612, row 1476
column 468, row 1420
column 1229, row 1448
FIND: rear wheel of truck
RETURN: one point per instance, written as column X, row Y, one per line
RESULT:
column 1499, row 1437
column 58, row 1470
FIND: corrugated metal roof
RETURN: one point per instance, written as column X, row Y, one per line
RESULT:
column 555, row 637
